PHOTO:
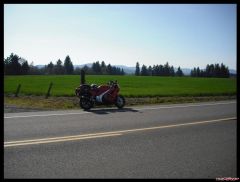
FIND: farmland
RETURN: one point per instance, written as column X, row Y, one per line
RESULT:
column 131, row 86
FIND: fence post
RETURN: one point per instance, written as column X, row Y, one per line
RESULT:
column 49, row 89
column 18, row 90
column 82, row 77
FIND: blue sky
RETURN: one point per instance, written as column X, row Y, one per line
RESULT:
column 184, row 35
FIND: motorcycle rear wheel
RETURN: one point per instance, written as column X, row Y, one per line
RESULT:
column 85, row 103
column 120, row 101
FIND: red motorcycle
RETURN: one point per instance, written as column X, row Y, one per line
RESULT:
column 103, row 94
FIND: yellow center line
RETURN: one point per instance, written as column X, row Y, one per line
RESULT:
column 56, row 140
column 103, row 134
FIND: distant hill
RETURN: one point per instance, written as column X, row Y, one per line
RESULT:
column 127, row 70
column 82, row 65
column 232, row 71
column 40, row 66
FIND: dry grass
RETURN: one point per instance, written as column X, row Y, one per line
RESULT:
column 52, row 103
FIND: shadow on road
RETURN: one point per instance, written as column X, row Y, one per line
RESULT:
column 112, row 110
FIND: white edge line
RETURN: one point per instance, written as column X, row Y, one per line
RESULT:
column 189, row 105
column 45, row 115
column 139, row 109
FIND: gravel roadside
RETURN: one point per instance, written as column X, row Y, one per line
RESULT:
column 17, row 109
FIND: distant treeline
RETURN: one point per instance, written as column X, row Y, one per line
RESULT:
column 211, row 71
column 15, row 65
column 101, row 69
column 220, row 71
column 157, row 70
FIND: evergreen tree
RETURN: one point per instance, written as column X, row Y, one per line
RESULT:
column 122, row 72
column 50, row 68
column 224, row 71
column 211, row 70
column 207, row 71
column 160, row 70
column 171, row 71
column 194, row 72
column 11, row 65
column 137, row 72
column 150, row 71
column 103, row 68
column 68, row 66
column 166, row 70
column 109, row 69
column 217, row 70
column 202, row 73
column 144, row 71
column 58, row 68
column 96, row 68
column 25, row 68
column 154, row 73
column 15, row 65
column 114, row 70
column 198, row 72
column 179, row 72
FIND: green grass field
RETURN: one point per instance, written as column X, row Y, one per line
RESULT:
column 130, row 86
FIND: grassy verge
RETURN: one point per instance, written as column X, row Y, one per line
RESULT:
column 55, row 103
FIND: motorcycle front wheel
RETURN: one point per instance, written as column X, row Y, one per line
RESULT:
column 120, row 101
column 85, row 103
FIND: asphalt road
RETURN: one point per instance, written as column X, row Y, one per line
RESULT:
column 163, row 141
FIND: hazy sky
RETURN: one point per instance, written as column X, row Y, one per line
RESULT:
column 184, row 35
